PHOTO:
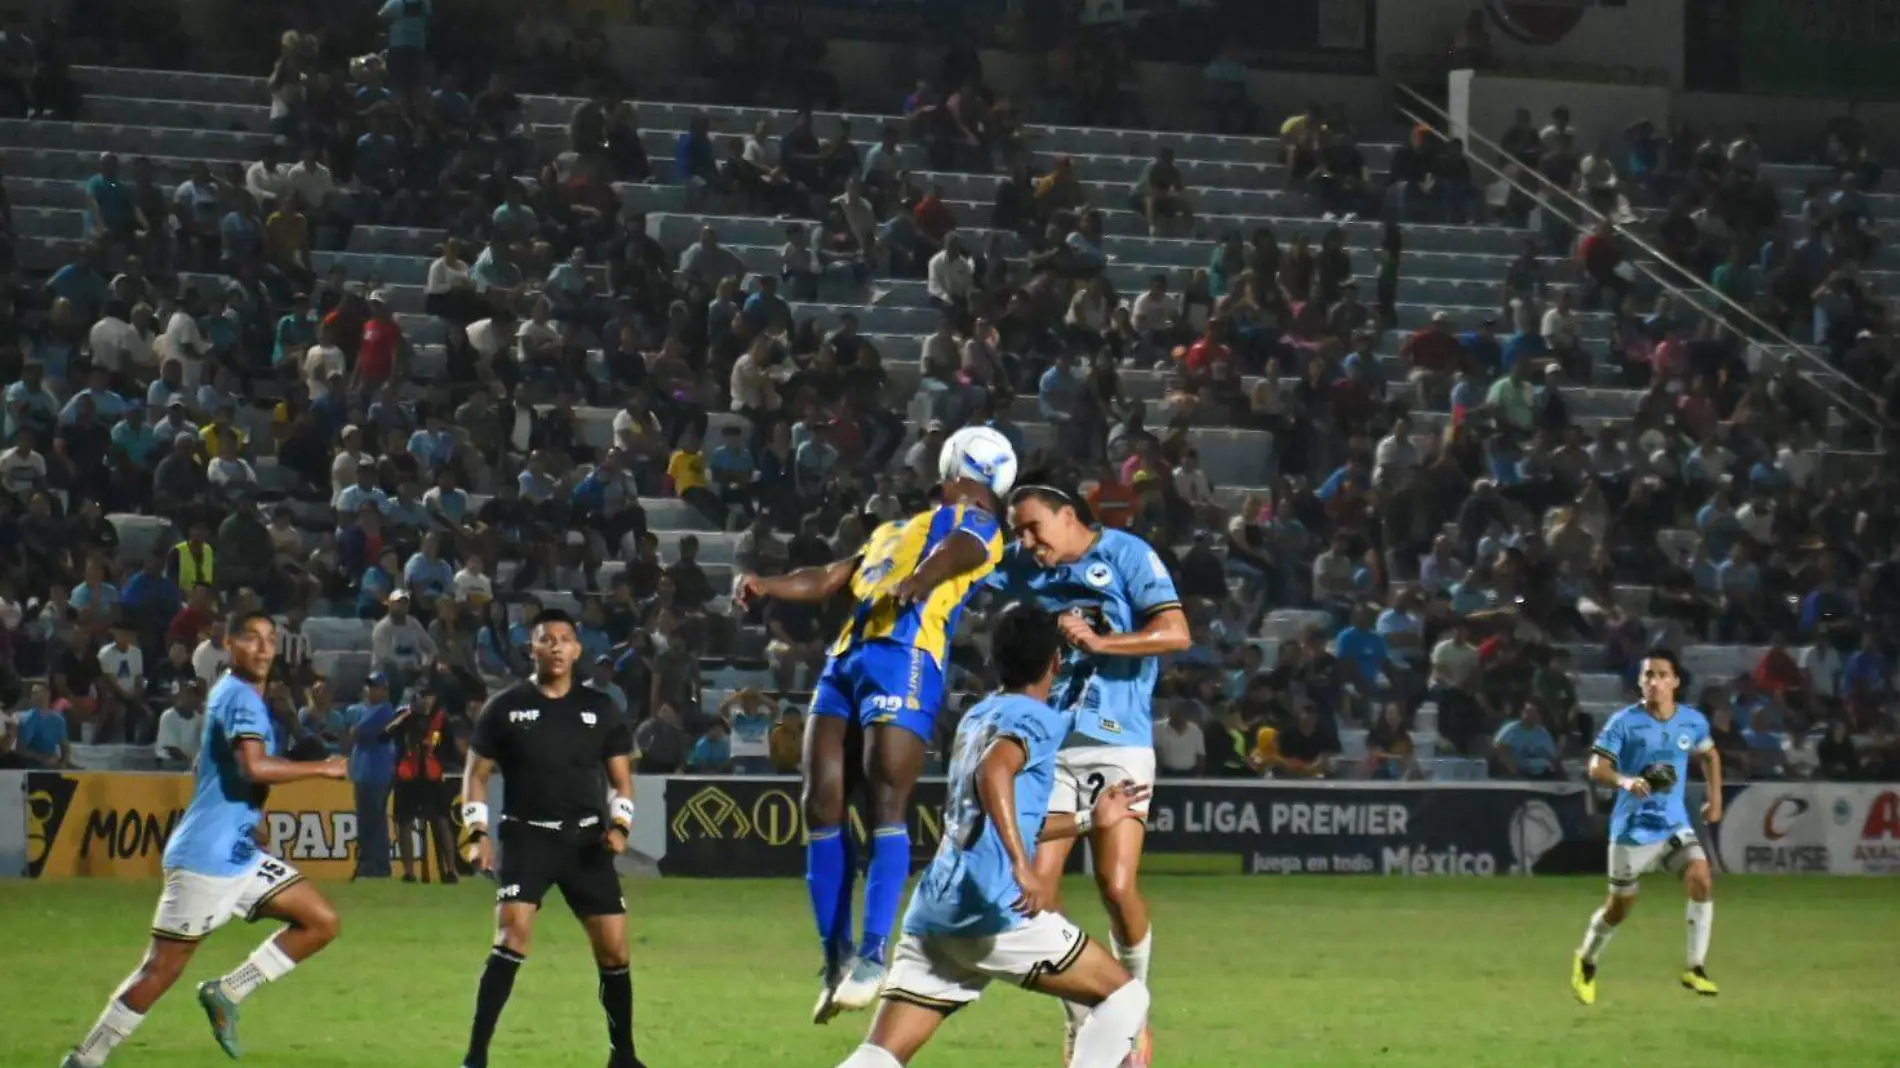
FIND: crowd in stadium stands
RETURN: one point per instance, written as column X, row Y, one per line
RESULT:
column 198, row 359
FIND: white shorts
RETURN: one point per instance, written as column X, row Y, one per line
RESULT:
column 193, row 905
column 944, row 972
column 1084, row 771
column 1628, row 863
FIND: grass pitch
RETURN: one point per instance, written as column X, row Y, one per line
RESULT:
column 1248, row 971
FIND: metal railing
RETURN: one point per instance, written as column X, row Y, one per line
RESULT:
column 1441, row 124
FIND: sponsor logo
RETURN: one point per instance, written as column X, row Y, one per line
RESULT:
column 1781, row 815
column 509, row 892
column 589, row 718
column 1537, row 22
column 1878, row 852
column 1535, row 830
column 48, row 799
column 310, row 835
column 775, row 818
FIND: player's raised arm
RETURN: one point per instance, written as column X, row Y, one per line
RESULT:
column 261, row 769
column 952, row 557
column 805, row 584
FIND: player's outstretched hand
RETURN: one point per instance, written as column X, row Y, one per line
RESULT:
column 911, row 590
column 747, row 590
column 336, row 767
column 1038, row 893
column 1118, row 803
column 1077, row 632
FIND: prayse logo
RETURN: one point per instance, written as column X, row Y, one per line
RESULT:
column 1537, row 22
column 1780, row 817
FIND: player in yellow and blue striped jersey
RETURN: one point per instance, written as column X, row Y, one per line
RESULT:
column 885, row 675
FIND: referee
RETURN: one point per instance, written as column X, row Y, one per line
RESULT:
column 558, row 745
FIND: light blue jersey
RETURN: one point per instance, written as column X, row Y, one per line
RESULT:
column 1633, row 740
column 214, row 835
column 1118, row 584
column 968, row 889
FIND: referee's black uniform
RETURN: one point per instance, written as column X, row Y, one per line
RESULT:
column 552, row 754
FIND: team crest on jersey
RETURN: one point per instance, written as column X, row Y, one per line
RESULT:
column 1098, row 575
column 1682, row 742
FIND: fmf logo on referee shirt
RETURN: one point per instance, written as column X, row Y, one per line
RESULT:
column 524, row 715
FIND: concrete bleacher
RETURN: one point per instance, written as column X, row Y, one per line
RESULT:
column 1238, row 184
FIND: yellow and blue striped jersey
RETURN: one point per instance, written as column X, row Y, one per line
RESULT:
column 893, row 553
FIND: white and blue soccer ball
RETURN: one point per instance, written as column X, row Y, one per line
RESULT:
column 979, row 454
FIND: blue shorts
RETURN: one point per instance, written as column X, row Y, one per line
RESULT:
column 881, row 683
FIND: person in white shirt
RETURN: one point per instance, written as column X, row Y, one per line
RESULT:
column 211, row 658
column 311, row 181
column 324, row 359
column 539, row 339
column 230, row 473
column 1191, row 480
column 1559, row 328
column 1153, row 311
column 184, row 342
column 116, row 344
column 494, row 335
column 399, row 644
column 1395, row 458
column 951, row 275
column 268, row 180
column 22, row 469
column 859, row 217
column 473, row 587
column 180, row 731
column 752, row 386
column 122, row 680
column 1180, row 748
column 1823, row 664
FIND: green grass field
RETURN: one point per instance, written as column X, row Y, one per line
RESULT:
column 1343, row 972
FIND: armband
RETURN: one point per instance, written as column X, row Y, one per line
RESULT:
column 621, row 811
column 474, row 813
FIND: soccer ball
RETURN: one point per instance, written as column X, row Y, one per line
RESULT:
column 981, row 455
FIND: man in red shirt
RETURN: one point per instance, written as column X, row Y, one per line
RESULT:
column 1115, row 506
column 376, row 357
column 1210, row 350
column 189, row 625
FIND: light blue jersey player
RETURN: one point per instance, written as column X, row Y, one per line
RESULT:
column 981, row 910
column 1643, row 753
column 1119, row 614
column 214, row 868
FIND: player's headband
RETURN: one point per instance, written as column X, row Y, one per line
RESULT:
column 1036, row 489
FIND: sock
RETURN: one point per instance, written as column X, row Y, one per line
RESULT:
column 616, row 998
column 869, row 1056
column 115, row 1025
column 498, row 981
column 266, row 964
column 1595, row 937
column 828, row 878
column 1109, row 1034
column 884, row 887
column 1701, row 924
column 1135, row 957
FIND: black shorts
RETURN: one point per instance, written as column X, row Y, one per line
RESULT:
column 534, row 859
column 421, row 799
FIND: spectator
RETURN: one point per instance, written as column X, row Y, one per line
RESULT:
column 1180, row 749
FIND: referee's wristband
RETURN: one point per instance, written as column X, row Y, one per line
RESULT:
column 620, row 810
column 474, row 813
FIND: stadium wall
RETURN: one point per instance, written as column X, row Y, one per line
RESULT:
column 1639, row 42
column 56, row 825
